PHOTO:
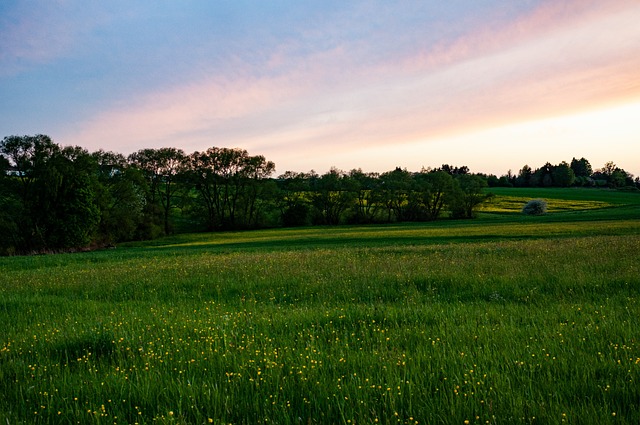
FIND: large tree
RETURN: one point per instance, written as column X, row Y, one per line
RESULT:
column 120, row 198
column 293, row 200
column 229, row 182
column 11, row 209
column 365, row 186
column 393, row 193
column 162, row 169
column 524, row 177
column 28, row 155
column 563, row 175
column 469, row 195
column 332, row 195
column 581, row 167
column 56, row 191
column 70, row 198
column 432, row 191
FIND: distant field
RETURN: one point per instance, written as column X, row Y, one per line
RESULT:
column 570, row 199
column 618, row 197
column 503, row 319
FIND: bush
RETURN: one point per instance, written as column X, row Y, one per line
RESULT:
column 296, row 214
column 535, row 207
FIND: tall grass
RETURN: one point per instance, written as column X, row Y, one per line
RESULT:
column 470, row 322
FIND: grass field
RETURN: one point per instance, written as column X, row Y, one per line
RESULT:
column 499, row 320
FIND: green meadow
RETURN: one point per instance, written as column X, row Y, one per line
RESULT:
column 498, row 320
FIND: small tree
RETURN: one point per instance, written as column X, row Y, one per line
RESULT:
column 535, row 207
column 581, row 167
column 468, row 196
column 293, row 199
column 563, row 175
column 524, row 177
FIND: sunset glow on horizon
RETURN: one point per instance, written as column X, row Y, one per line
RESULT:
column 493, row 85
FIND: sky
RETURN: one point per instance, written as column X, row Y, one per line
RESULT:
column 490, row 84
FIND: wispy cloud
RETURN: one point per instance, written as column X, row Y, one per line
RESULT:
column 34, row 34
column 346, row 95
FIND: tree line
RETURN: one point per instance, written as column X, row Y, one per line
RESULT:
column 57, row 198
column 576, row 173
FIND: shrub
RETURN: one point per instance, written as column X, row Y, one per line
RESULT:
column 535, row 207
column 296, row 214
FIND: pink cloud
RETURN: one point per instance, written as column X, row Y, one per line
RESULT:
column 38, row 34
column 164, row 118
column 538, row 66
column 494, row 33
column 26, row 42
column 559, row 58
